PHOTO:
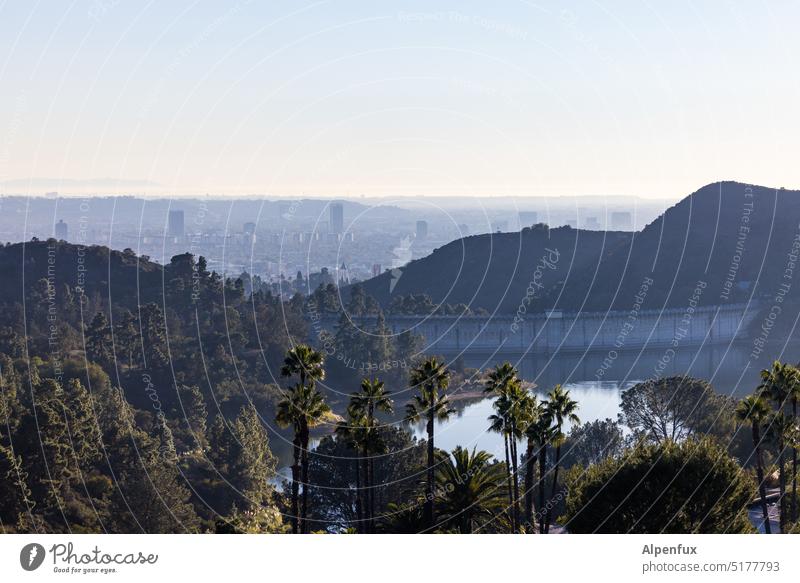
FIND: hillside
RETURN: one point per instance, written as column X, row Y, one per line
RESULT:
column 732, row 238
column 495, row 271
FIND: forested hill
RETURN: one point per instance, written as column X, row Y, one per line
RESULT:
column 736, row 241
column 496, row 271
column 96, row 271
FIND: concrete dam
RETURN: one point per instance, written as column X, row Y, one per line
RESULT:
column 710, row 342
column 563, row 332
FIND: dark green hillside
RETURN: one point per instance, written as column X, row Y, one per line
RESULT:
column 497, row 271
column 734, row 238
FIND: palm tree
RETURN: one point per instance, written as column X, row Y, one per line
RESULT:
column 430, row 378
column 498, row 423
column 540, row 432
column 794, row 395
column 304, row 361
column 562, row 408
column 303, row 407
column 471, row 489
column 754, row 410
column 780, row 429
column 781, row 384
column 372, row 397
column 351, row 431
column 498, row 379
column 514, row 406
column 532, row 416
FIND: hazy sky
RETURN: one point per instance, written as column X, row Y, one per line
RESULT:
column 390, row 98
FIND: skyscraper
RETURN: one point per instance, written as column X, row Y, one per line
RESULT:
column 337, row 218
column 61, row 230
column 422, row 230
column 175, row 224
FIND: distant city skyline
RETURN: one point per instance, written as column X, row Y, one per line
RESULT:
column 354, row 98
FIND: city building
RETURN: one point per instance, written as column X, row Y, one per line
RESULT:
column 337, row 218
column 376, row 269
column 175, row 225
column 422, row 230
column 592, row 224
column 321, row 278
column 61, row 230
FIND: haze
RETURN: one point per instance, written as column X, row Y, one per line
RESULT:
column 358, row 98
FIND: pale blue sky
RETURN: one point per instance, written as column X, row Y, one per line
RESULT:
column 447, row 98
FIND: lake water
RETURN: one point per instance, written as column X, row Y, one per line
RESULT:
column 728, row 371
column 469, row 426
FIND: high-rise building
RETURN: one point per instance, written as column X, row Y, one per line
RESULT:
column 592, row 224
column 376, row 269
column 175, row 226
column 621, row 220
column 422, row 230
column 337, row 218
column 61, row 230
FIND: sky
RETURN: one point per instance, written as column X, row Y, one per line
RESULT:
column 446, row 98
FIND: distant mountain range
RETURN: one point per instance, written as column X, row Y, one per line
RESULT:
column 726, row 243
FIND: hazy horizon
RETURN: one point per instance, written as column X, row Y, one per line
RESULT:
column 339, row 100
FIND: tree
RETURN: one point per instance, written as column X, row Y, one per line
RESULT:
column 351, row 432
column 592, row 442
column 302, row 408
column 469, row 489
column 372, row 397
column 153, row 498
column 514, row 407
column 541, row 433
column 561, row 407
column 781, row 385
column 666, row 408
column 692, row 486
column 753, row 410
column 430, row 378
column 533, row 417
column 98, row 341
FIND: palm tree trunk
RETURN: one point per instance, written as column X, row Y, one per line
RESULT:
column 510, row 487
column 367, row 491
column 515, row 466
column 542, row 472
column 372, row 495
column 553, row 489
column 295, row 484
column 529, row 467
column 359, row 508
column 762, row 492
column 782, row 486
column 304, row 463
column 794, row 465
column 429, row 485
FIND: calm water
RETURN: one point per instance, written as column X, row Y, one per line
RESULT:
column 468, row 427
